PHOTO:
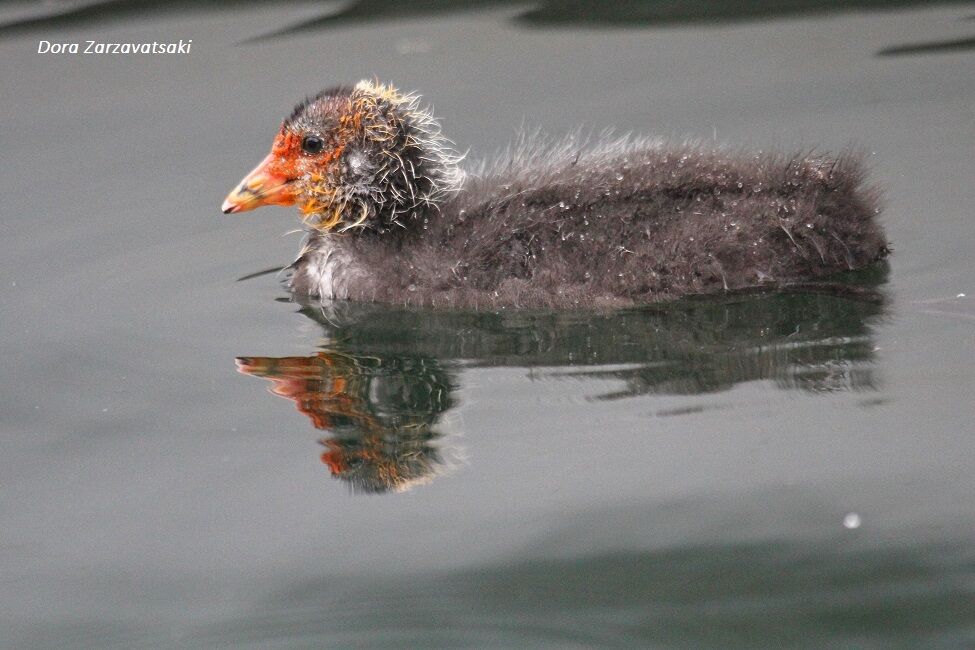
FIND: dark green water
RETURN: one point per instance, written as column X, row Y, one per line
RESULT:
column 192, row 460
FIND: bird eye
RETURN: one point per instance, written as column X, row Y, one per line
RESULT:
column 312, row 144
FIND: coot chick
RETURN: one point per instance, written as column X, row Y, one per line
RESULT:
column 392, row 218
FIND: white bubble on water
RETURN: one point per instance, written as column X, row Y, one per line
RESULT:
column 852, row 521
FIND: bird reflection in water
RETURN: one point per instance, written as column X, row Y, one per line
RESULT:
column 380, row 413
column 384, row 379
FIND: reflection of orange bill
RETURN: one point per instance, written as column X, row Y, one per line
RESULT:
column 314, row 385
column 333, row 457
column 333, row 391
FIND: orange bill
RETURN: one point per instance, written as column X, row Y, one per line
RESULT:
column 266, row 185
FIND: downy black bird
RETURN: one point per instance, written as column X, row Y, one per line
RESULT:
column 392, row 218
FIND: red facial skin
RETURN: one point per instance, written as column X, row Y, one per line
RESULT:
column 285, row 176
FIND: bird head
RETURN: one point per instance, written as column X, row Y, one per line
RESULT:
column 363, row 158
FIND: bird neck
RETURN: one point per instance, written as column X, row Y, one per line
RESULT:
column 404, row 168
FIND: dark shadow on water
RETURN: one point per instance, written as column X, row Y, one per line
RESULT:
column 382, row 382
column 807, row 589
column 539, row 14
column 935, row 47
column 262, row 273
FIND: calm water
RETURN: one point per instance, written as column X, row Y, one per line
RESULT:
column 189, row 460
